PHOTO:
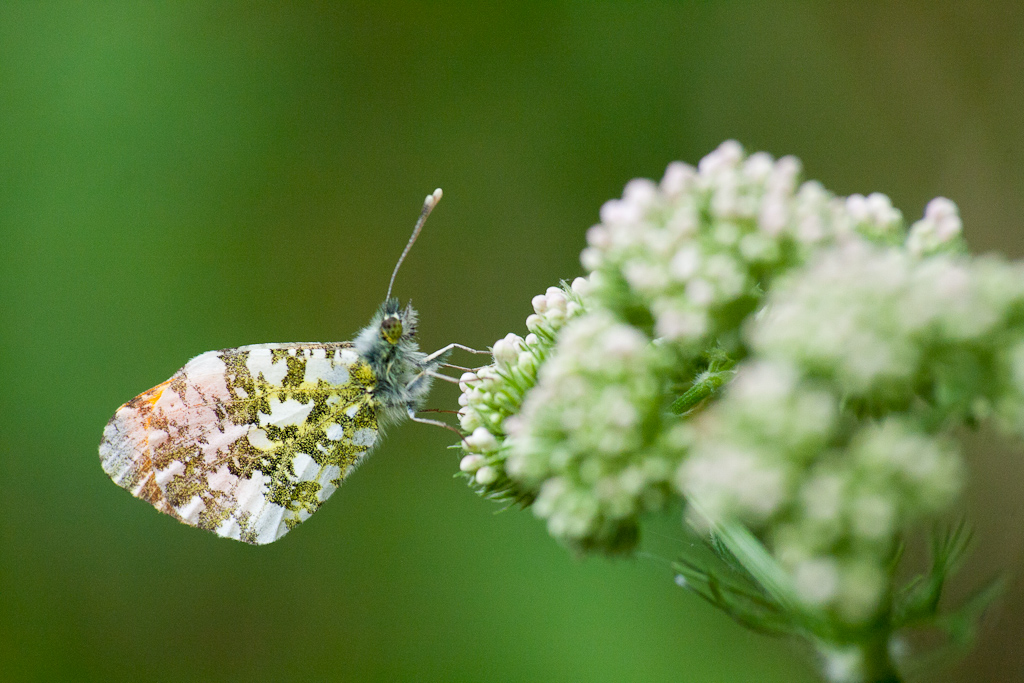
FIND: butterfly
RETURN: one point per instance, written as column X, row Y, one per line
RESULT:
column 248, row 442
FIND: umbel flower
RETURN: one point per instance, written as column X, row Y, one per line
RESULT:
column 788, row 365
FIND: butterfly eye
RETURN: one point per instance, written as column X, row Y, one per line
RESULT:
column 391, row 329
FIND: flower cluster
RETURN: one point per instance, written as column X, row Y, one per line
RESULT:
column 587, row 436
column 493, row 393
column 690, row 257
column 788, row 364
column 855, row 343
column 835, row 434
column 939, row 230
column 684, row 262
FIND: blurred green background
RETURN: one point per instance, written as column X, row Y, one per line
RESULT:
column 178, row 177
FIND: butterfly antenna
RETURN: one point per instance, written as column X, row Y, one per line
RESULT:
column 428, row 205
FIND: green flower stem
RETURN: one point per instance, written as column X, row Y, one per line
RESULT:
column 706, row 385
column 877, row 664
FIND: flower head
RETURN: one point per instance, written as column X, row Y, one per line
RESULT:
column 778, row 359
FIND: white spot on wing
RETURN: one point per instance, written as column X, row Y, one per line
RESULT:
column 323, row 368
column 330, row 473
column 334, row 431
column 284, row 413
column 221, row 479
column 190, row 510
column 219, row 440
column 162, row 477
column 305, row 467
column 156, row 438
column 265, row 516
column 229, row 529
column 262, row 361
column 205, row 374
column 364, row 437
column 259, row 439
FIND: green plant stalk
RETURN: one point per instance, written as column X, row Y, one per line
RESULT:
column 877, row 665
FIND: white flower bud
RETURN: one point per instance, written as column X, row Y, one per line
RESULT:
column 845, row 665
column 684, row 264
column 817, row 580
column 944, row 214
column 471, row 463
column 582, row 287
column 599, row 237
column 481, row 440
column 556, row 299
column 725, row 200
column 644, row 276
column 727, row 156
column 640, row 192
column 857, row 207
column 515, row 340
column 678, row 178
column 540, row 304
column 881, row 209
column 680, row 325
column 758, row 166
column 940, row 209
column 469, row 420
column 615, row 211
column 623, row 342
column 531, row 339
column 700, row 292
column 487, row 475
column 810, row 229
column 527, row 362
column 591, row 259
column 534, row 322
column 504, row 353
column 684, row 222
column 784, row 175
column 554, row 317
column 487, row 373
column 774, row 215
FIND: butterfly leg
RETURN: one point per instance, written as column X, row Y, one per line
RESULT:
column 456, row 367
column 438, row 375
column 446, row 349
column 436, row 423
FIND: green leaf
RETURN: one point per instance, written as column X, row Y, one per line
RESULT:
column 919, row 600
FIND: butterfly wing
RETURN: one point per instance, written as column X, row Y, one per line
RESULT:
column 246, row 442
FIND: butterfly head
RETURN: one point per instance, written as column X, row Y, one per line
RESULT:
column 391, row 334
column 391, row 329
column 395, row 324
